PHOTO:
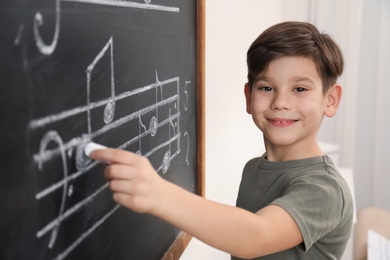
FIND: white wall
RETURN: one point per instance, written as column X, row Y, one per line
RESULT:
column 373, row 110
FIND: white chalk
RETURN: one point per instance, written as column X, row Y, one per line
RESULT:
column 91, row 146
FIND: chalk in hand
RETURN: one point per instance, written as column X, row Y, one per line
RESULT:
column 91, row 146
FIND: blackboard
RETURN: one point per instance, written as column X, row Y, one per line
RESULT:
column 125, row 74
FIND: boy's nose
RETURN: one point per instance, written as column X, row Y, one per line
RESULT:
column 280, row 102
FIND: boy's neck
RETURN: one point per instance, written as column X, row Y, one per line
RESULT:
column 292, row 152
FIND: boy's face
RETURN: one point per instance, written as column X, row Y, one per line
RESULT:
column 287, row 102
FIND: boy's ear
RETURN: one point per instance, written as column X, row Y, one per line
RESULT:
column 247, row 91
column 333, row 100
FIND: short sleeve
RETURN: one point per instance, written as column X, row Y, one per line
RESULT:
column 315, row 202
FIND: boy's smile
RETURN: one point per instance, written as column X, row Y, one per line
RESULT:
column 281, row 122
column 287, row 104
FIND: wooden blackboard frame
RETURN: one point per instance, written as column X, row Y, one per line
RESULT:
column 179, row 245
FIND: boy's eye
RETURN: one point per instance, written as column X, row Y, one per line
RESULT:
column 299, row 89
column 266, row 88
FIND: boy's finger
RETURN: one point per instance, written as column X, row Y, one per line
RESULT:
column 118, row 171
column 121, row 186
column 123, row 199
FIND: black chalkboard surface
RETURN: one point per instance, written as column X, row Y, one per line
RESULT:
column 120, row 73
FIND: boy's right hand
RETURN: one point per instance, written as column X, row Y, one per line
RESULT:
column 134, row 182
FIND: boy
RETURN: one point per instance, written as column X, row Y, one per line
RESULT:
column 292, row 202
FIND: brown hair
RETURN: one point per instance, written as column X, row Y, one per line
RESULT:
column 296, row 39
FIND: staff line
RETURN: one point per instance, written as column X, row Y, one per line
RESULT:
column 130, row 4
column 77, row 174
column 134, row 115
column 83, row 236
column 41, row 122
column 70, row 211
column 49, row 154
column 90, row 198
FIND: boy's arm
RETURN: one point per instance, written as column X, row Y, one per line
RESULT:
column 137, row 186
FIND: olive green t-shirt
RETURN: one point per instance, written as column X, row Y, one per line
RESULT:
column 313, row 192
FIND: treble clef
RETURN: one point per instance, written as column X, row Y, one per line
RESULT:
column 38, row 21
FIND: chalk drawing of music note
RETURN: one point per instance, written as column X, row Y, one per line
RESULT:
column 48, row 49
column 82, row 160
column 52, row 146
column 185, row 103
column 164, row 114
column 44, row 48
